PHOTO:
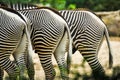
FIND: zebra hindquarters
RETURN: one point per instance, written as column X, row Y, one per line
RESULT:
column 20, row 56
column 60, row 56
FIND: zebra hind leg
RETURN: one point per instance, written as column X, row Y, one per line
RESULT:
column 48, row 68
column 97, row 69
column 10, row 67
column 60, row 57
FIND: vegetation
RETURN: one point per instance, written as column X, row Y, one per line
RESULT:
column 96, row 5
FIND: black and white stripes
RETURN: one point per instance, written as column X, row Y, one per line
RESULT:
column 87, row 32
column 48, row 32
column 13, row 28
column 86, row 29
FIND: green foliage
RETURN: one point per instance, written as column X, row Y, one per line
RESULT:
column 58, row 4
column 96, row 5
column 72, row 6
column 15, row 1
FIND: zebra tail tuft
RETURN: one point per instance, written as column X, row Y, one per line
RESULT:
column 110, row 60
column 69, row 57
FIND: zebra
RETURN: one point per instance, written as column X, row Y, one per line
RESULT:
column 14, row 39
column 49, row 35
column 87, row 32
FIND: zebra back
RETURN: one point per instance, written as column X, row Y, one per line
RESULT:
column 13, row 11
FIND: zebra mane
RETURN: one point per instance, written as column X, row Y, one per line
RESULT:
column 21, row 6
column 24, row 6
column 13, row 11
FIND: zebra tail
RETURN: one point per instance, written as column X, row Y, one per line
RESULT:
column 110, row 49
column 30, row 52
column 27, row 32
column 69, row 54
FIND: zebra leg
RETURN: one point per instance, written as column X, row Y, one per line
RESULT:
column 90, row 56
column 10, row 67
column 46, row 62
column 60, row 57
column 1, row 74
column 20, row 57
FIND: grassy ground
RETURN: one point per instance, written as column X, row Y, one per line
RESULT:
column 80, row 70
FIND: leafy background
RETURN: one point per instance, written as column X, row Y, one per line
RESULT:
column 96, row 5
